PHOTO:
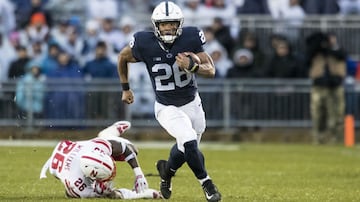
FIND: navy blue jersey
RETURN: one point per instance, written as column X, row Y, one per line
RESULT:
column 172, row 86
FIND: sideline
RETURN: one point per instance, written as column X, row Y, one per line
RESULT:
column 143, row 144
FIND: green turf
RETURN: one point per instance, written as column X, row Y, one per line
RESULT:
column 252, row 172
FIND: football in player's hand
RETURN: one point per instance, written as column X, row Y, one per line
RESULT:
column 195, row 58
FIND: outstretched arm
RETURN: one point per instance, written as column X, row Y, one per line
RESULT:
column 125, row 57
column 129, row 153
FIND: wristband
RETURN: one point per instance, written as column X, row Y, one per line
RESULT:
column 125, row 86
column 193, row 67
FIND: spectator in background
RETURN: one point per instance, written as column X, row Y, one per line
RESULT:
column 8, row 54
column 277, row 8
column 101, row 9
column 274, row 40
column 91, row 38
column 68, row 67
column 134, row 7
column 335, row 46
column 288, row 16
column 223, row 9
column 196, row 14
column 248, row 40
column 17, row 67
column 112, row 36
column 37, row 50
column 327, row 72
column 7, row 17
column 50, row 62
column 127, row 28
column 36, row 30
column 220, row 59
column 100, row 67
column 74, row 45
column 284, row 64
column 66, row 8
column 24, row 9
column 243, row 65
column 251, row 7
column 14, row 39
column 349, row 7
column 334, row 43
column 351, row 98
column 59, row 33
column 30, row 92
column 293, row 16
column 75, row 24
column 21, row 8
column 222, row 34
column 69, row 101
column 38, row 7
column 320, row 7
column 241, row 106
column 217, row 52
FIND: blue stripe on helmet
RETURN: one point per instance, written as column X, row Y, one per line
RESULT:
column 166, row 8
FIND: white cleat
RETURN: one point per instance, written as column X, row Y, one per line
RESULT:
column 116, row 129
column 122, row 126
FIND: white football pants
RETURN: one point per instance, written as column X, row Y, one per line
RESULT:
column 185, row 123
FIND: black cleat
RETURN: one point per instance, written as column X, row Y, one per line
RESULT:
column 165, row 183
column 211, row 192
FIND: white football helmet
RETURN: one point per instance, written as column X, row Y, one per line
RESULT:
column 167, row 12
column 98, row 166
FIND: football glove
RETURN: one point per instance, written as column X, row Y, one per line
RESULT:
column 140, row 184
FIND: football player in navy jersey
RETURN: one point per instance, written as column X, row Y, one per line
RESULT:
column 173, row 56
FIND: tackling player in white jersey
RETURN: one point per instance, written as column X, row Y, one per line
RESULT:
column 87, row 168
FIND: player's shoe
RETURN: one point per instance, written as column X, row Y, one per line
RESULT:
column 211, row 192
column 122, row 126
column 165, row 183
column 116, row 129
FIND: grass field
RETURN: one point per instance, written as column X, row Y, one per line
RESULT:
column 242, row 172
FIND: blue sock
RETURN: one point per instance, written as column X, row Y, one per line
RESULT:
column 175, row 161
column 195, row 159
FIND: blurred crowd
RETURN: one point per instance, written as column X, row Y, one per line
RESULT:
column 84, row 35
column 49, row 39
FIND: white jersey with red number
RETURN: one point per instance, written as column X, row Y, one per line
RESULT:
column 64, row 164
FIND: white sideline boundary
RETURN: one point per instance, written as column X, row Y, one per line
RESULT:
column 140, row 145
